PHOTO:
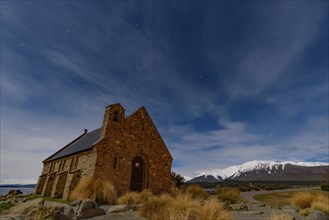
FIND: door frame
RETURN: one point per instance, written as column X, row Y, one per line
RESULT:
column 144, row 172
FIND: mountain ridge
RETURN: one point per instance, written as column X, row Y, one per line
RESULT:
column 266, row 170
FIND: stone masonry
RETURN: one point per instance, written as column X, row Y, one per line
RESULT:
column 130, row 151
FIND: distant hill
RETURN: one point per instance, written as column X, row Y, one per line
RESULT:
column 266, row 171
column 18, row 185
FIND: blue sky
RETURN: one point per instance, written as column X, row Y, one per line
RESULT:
column 225, row 82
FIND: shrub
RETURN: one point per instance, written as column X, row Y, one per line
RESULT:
column 321, row 206
column 99, row 189
column 325, row 187
column 280, row 216
column 197, row 192
column 228, row 194
column 177, row 180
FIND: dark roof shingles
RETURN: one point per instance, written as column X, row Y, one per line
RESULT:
column 83, row 143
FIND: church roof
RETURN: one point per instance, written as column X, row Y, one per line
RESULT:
column 82, row 143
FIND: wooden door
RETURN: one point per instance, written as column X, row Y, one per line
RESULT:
column 137, row 174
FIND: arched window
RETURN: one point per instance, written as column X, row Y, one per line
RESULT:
column 115, row 163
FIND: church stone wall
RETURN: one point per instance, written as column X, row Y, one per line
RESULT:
column 122, row 140
column 56, row 176
column 136, row 136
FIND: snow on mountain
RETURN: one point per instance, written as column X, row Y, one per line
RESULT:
column 256, row 165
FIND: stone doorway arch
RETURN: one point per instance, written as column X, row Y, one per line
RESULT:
column 137, row 174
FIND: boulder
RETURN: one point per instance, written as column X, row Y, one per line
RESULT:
column 317, row 215
column 118, row 208
column 86, row 209
column 89, row 213
column 238, row 207
column 24, row 208
column 14, row 193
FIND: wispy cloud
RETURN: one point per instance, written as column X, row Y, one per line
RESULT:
column 185, row 62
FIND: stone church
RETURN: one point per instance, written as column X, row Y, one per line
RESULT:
column 128, row 150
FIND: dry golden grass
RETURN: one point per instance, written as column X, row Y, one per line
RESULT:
column 155, row 205
column 182, row 207
column 308, row 200
column 213, row 210
column 302, row 200
column 174, row 191
column 98, row 189
column 229, row 194
column 280, row 216
column 305, row 212
column 131, row 198
column 321, row 206
column 144, row 196
column 197, row 192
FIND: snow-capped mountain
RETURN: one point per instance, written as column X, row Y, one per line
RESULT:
column 266, row 170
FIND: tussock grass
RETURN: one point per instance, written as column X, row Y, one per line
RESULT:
column 99, row 189
column 129, row 198
column 174, row 191
column 213, row 210
column 155, row 205
column 197, row 192
column 305, row 212
column 321, row 206
column 281, row 216
column 144, row 196
column 229, row 194
column 302, row 200
column 182, row 207
column 308, row 200
column 132, row 198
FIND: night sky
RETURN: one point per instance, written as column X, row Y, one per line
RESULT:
column 225, row 82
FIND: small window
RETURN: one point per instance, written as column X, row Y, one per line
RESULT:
column 74, row 163
column 116, row 116
column 51, row 168
column 62, row 165
column 116, row 163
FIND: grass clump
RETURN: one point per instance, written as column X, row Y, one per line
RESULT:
column 228, row 194
column 197, row 192
column 213, row 210
column 314, row 201
column 51, row 199
column 182, row 207
column 281, row 216
column 129, row 198
column 302, row 200
column 132, row 198
column 305, row 212
column 99, row 189
column 155, row 205
column 321, row 206
column 5, row 205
